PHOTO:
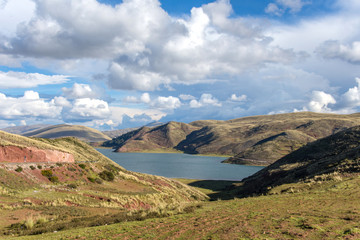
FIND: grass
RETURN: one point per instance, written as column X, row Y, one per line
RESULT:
column 327, row 211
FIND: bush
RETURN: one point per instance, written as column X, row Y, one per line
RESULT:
column 59, row 164
column 39, row 167
column 72, row 185
column 47, row 173
column 32, row 167
column 19, row 169
column 54, row 179
column 95, row 180
column 107, row 175
column 83, row 166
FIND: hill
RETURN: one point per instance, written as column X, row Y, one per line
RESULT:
column 161, row 138
column 332, row 157
column 63, row 130
column 116, row 133
column 23, row 129
column 257, row 140
column 55, row 184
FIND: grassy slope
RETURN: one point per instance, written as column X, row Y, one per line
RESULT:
column 83, row 133
column 330, row 210
column 75, row 200
column 322, row 204
column 329, row 157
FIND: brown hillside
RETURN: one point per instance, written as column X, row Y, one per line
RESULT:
column 64, row 130
column 162, row 138
column 332, row 157
column 257, row 140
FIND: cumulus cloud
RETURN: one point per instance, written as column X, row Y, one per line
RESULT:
column 25, row 80
column 85, row 109
column 145, row 98
column 30, row 105
column 240, row 98
column 166, row 102
column 206, row 99
column 145, row 47
column 334, row 49
column 281, row 6
column 186, row 97
column 79, row 91
column 320, row 102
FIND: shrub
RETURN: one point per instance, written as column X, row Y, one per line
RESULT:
column 39, row 167
column 83, row 166
column 72, row 185
column 112, row 168
column 71, row 169
column 59, row 164
column 47, row 173
column 32, row 167
column 19, row 169
column 107, row 175
column 54, row 179
column 91, row 179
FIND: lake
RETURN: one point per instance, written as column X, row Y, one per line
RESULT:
column 177, row 165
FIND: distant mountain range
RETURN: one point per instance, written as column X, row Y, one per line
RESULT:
column 257, row 140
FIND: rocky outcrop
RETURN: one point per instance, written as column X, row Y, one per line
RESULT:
column 14, row 154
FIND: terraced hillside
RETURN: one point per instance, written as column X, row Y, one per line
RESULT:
column 63, row 130
column 258, row 140
column 38, row 196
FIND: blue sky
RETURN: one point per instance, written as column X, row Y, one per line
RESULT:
column 116, row 64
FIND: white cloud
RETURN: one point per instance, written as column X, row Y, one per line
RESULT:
column 240, row 98
column 79, row 91
column 30, row 105
column 351, row 98
column 25, row 80
column 320, row 101
column 87, row 109
column 13, row 13
column 62, row 102
column 145, row 47
column 282, row 6
column 145, row 98
column 166, row 102
column 186, row 97
column 333, row 49
column 206, row 99
column 118, row 113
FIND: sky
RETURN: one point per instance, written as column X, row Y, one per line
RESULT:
column 112, row 64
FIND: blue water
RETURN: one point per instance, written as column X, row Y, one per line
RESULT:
column 175, row 165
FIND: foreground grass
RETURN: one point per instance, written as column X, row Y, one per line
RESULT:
column 326, row 210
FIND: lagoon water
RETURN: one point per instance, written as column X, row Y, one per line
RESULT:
column 175, row 165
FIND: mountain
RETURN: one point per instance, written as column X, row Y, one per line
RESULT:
column 55, row 184
column 23, row 129
column 63, row 130
column 329, row 158
column 116, row 133
column 161, row 138
column 257, row 140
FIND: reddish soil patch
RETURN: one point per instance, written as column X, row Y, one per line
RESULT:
column 14, row 154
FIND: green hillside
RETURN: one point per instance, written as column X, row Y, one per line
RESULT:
column 40, row 197
column 63, row 130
